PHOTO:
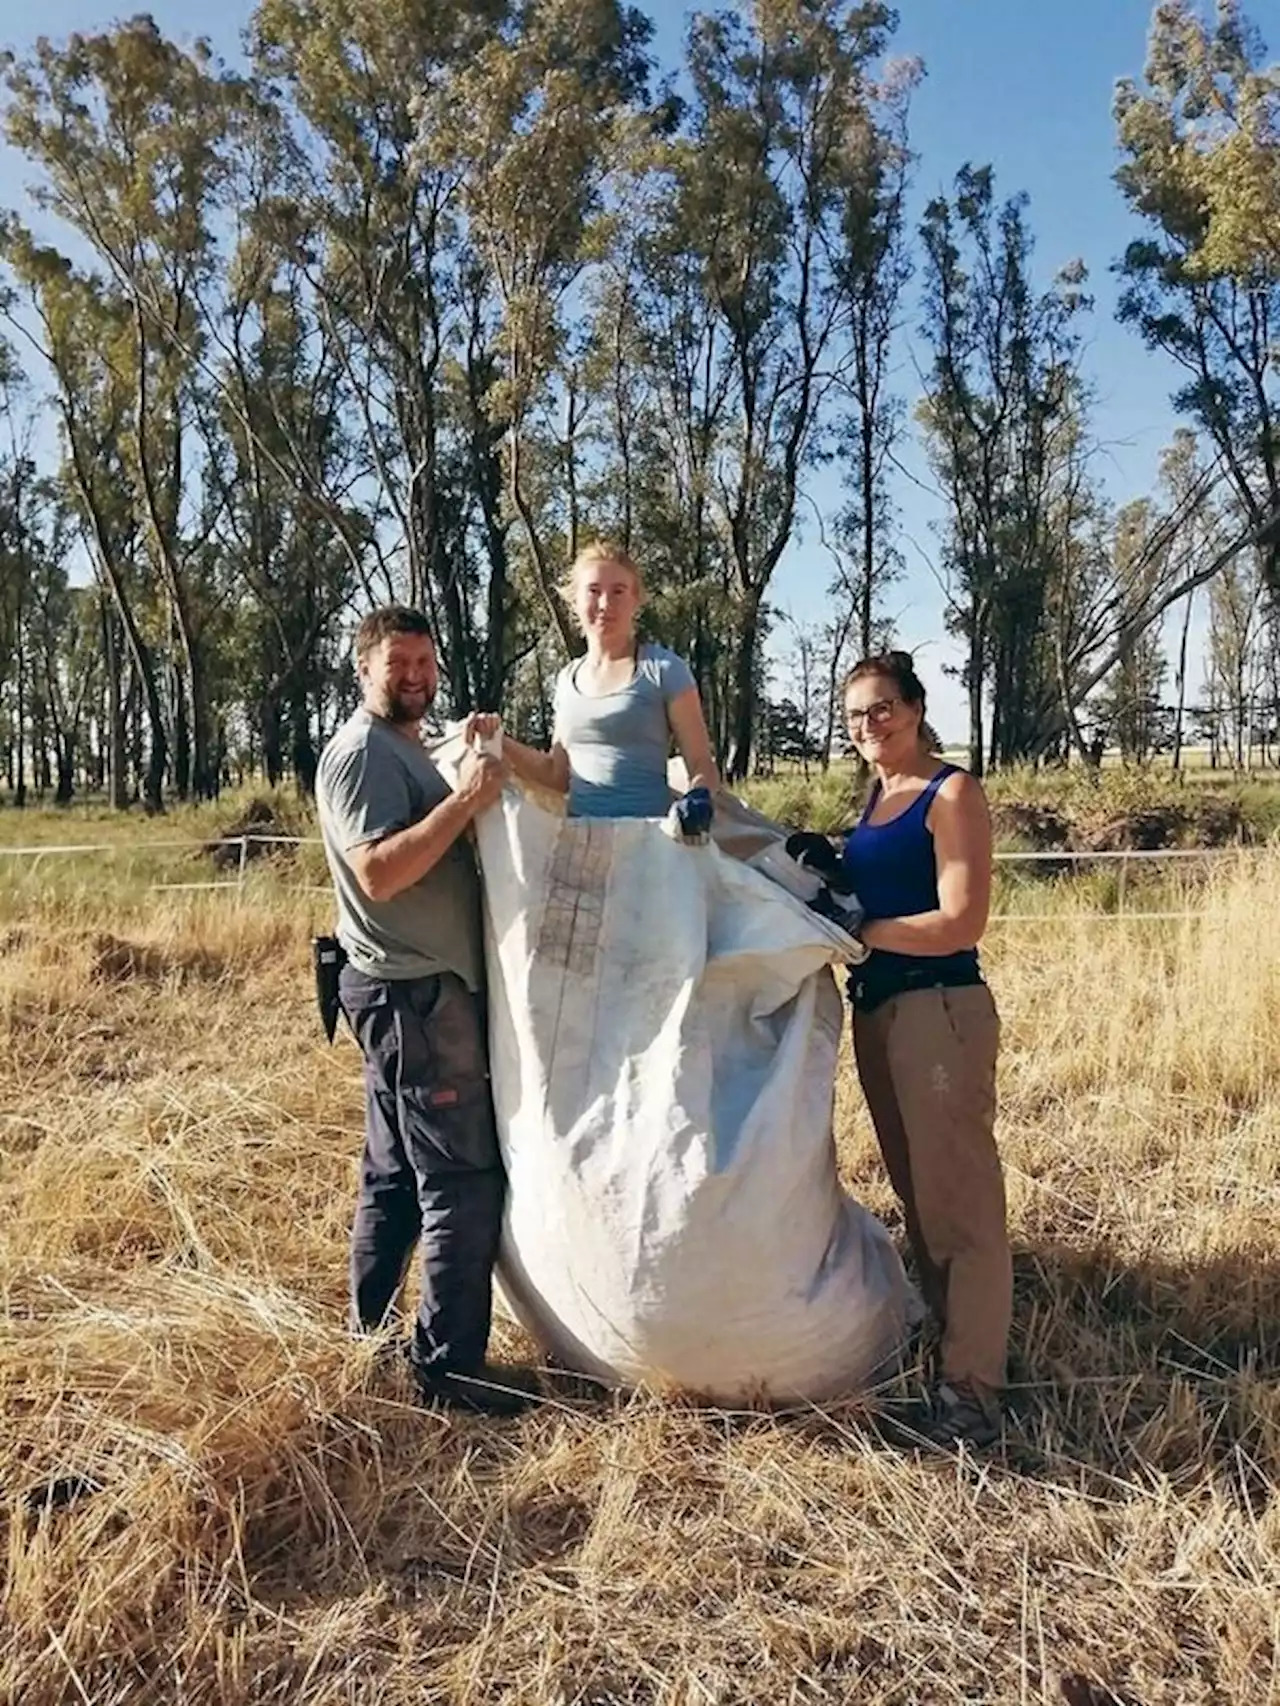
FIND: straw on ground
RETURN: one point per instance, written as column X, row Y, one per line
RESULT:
column 210, row 1495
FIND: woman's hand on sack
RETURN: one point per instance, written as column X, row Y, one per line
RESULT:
column 694, row 812
column 481, row 726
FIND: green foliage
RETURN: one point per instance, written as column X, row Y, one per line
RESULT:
column 1001, row 418
column 1203, row 286
column 826, row 801
column 1199, row 808
column 434, row 294
column 1129, row 806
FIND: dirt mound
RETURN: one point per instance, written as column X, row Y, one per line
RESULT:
column 1222, row 823
column 1044, row 829
column 1150, row 827
column 260, row 817
column 1147, row 830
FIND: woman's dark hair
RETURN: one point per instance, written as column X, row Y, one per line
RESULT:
column 900, row 668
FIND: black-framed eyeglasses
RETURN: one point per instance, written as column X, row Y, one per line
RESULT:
column 873, row 715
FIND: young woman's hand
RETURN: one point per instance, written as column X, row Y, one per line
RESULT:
column 694, row 812
column 482, row 726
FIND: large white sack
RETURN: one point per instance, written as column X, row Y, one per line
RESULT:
column 664, row 1027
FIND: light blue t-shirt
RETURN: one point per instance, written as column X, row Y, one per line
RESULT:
column 618, row 744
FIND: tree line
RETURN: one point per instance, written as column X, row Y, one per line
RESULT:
column 421, row 298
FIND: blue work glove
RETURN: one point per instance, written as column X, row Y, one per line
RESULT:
column 694, row 812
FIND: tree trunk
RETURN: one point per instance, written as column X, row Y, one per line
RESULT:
column 133, row 737
column 204, row 781
column 745, row 643
column 19, row 716
column 868, row 495
column 181, row 735
column 66, row 760
column 40, row 761
column 269, row 723
column 1182, row 685
column 974, row 674
column 117, row 775
column 1240, row 716
column 145, row 691
column 461, row 663
column 302, row 748
column 541, row 564
column 143, row 665
column 1074, row 732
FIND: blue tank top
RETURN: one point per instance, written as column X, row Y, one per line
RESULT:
column 894, row 872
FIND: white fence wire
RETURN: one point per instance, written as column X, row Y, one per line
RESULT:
column 1123, row 857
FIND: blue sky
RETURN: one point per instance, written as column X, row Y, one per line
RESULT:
column 1021, row 84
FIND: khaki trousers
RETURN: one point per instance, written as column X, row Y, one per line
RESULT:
column 927, row 1061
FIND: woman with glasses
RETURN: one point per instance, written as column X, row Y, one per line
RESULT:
column 926, row 1032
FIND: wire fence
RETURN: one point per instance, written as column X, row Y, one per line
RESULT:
column 1124, row 859
column 240, row 846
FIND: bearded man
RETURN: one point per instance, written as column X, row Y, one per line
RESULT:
column 409, row 922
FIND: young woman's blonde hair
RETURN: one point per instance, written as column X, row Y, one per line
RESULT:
column 603, row 551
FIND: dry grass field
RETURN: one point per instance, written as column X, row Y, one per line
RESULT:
column 208, row 1494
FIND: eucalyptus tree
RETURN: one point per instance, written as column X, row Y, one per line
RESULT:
column 1234, row 655
column 80, row 329
column 17, row 569
column 741, row 305
column 999, row 411
column 540, row 126
column 1130, row 702
column 282, row 457
column 131, row 135
column 1203, row 286
column 372, row 225
column 875, row 267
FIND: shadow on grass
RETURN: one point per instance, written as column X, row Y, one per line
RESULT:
column 1151, row 1367
column 1122, row 1373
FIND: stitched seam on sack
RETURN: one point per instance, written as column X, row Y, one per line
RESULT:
column 570, row 931
column 599, row 852
column 576, row 857
column 555, row 901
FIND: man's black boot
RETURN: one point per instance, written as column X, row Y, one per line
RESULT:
column 488, row 1391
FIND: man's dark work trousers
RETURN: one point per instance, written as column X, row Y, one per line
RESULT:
column 431, row 1166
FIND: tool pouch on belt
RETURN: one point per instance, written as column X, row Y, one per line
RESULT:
column 328, row 957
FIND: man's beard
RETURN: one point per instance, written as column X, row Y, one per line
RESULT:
column 398, row 710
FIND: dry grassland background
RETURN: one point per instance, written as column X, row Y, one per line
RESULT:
column 207, row 1494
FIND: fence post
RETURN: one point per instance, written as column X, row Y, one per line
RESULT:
column 1121, row 886
column 244, row 859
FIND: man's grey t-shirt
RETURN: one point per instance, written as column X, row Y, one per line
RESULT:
column 373, row 781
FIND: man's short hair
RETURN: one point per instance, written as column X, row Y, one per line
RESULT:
column 386, row 620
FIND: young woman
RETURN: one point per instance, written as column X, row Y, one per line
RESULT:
column 926, row 1032
column 617, row 710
